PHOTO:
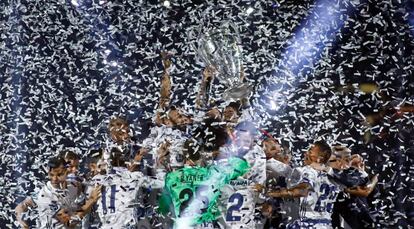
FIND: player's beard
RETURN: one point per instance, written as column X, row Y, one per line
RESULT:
column 181, row 127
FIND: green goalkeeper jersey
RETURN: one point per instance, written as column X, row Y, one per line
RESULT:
column 191, row 193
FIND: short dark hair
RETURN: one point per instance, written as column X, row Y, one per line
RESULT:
column 94, row 155
column 117, row 158
column 325, row 150
column 236, row 106
column 211, row 134
column 55, row 162
column 69, row 155
column 173, row 108
column 266, row 139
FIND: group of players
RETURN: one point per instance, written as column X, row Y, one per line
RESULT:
column 217, row 171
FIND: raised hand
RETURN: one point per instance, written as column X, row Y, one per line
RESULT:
column 208, row 73
column 166, row 61
column 96, row 193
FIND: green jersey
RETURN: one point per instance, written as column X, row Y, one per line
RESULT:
column 191, row 193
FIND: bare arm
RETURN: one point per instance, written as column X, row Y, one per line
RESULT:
column 363, row 191
column 244, row 101
column 202, row 97
column 21, row 208
column 301, row 190
column 162, row 154
column 137, row 159
column 242, row 75
column 93, row 198
column 165, row 92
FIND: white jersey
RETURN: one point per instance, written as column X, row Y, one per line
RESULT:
column 117, row 206
column 316, row 208
column 277, row 169
column 278, row 174
column 162, row 134
column 238, row 200
column 51, row 200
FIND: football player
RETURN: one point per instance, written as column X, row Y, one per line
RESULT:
column 278, row 210
column 56, row 202
column 317, row 193
column 117, row 208
column 351, row 204
column 240, row 198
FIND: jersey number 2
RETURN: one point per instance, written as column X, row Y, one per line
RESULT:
column 111, row 200
column 239, row 202
column 328, row 192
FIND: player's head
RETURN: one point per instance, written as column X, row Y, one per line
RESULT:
column 71, row 159
column 357, row 162
column 334, row 162
column 213, row 113
column 178, row 118
column 162, row 119
column 244, row 133
column 57, row 172
column 319, row 152
column 231, row 112
column 342, row 155
column 93, row 159
column 271, row 147
column 117, row 158
column 119, row 130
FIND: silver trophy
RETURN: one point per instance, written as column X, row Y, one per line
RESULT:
column 220, row 48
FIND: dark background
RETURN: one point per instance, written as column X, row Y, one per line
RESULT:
column 314, row 59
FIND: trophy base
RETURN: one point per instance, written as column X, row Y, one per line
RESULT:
column 237, row 92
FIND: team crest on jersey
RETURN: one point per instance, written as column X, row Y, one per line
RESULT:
column 179, row 158
column 54, row 206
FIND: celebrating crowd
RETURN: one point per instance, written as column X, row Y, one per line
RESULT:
column 213, row 169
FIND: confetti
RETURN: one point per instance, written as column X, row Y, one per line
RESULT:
column 67, row 67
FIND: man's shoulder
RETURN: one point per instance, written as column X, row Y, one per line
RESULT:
column 45, row 192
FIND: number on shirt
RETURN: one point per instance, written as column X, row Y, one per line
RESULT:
column 111, row 200
column 200, row 194
column 236, row 207
column 328, row 193
column 187, row 195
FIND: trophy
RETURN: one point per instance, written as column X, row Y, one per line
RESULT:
column 220, row 49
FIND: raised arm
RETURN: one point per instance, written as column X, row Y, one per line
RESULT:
column 93, row 198
column 301, row 190
column 363, row 191
column 137, row 159
column 245, row 100
column 21, row 208
column 202, row 96
column 165, row 92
